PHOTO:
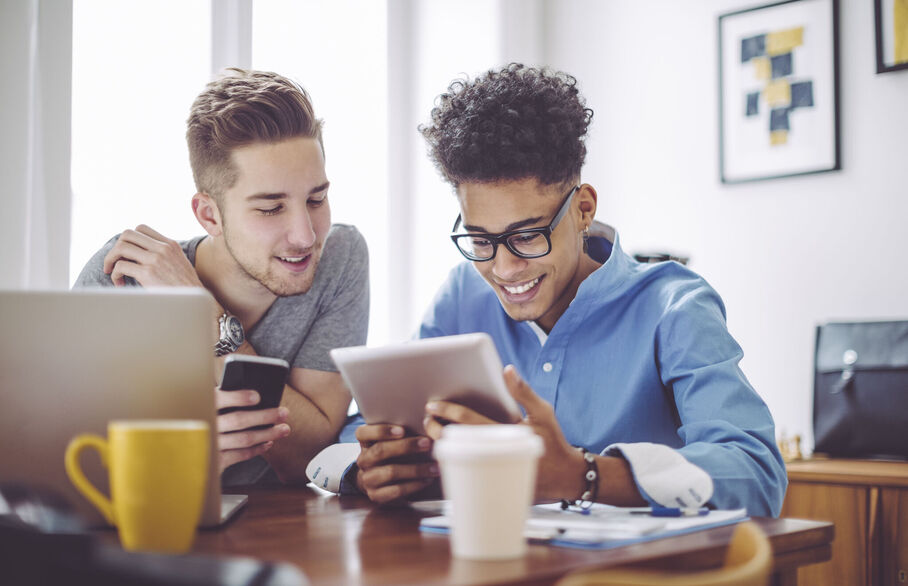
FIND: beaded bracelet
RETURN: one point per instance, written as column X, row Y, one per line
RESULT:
column 591, row 477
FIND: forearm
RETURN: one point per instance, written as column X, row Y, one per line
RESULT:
column 616, row 481
column 311, row 430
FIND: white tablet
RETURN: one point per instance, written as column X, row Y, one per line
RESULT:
column 392, row 384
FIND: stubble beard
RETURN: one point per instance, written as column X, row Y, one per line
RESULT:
column 265, row 276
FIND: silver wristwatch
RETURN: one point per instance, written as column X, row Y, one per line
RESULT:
column 231, row 336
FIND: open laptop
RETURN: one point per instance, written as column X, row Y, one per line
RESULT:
column 70, row 361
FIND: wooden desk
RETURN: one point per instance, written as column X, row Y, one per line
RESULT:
column 347, row 540
column 868, row 502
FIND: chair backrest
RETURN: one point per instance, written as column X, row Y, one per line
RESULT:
column 747, row 563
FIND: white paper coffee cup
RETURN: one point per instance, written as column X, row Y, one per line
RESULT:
column 489, row 474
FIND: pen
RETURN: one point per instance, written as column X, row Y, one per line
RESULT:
column 670, row 511
column 569, row 508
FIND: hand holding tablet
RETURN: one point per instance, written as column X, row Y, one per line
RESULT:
column 392, row 384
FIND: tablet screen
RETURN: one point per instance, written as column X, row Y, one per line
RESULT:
column 392, row 384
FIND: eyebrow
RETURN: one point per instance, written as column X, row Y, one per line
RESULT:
column 508, row 228
column 266, row 196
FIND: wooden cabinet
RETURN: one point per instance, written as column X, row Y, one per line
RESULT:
column 868, row 502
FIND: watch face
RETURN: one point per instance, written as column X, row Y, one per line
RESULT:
column 235, row 330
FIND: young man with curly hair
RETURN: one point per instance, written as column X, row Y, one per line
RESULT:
column 626, row 371
column 288, row 282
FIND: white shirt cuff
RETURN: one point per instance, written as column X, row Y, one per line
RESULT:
column 664, row 475
column 327, row 468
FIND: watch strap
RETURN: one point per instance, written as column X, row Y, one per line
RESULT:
column 226, row 342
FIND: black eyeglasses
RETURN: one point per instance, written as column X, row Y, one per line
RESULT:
column 528, row 243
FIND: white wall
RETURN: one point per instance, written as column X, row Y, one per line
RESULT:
column 785, row 254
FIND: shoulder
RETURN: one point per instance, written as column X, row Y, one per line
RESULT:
column 662, row 287
column 345, row 238
column 344, row 260
column 681, row 289
column 191, row 246
column 93, row 274
column 683, row 304
column 345, row 249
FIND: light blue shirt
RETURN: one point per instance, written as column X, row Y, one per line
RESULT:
column 642, row 354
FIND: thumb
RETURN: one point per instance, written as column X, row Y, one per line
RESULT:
column 532, row 403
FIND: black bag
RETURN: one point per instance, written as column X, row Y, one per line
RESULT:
column 860, row 394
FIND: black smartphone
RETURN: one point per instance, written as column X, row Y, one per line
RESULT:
column 265, row 375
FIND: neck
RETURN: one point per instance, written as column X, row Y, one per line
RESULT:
column 584, row 269
column 237, row 292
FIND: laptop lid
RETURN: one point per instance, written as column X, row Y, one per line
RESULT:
column 73, row 360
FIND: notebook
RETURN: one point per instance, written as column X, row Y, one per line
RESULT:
column 70, row 361
column 602, row 527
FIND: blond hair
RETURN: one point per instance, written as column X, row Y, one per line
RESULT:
column 240, row 108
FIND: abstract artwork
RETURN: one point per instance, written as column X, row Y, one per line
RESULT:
column 778, row 90
column 891, row 35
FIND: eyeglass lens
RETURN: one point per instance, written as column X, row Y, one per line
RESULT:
column 529, row 244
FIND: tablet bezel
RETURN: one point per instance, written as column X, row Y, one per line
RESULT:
column 393, row 383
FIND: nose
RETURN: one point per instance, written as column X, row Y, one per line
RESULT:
column 300, row 233
column 506, row 266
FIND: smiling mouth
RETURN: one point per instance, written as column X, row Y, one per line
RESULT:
column 295, row 264
column 294, row 259
column 521, row 289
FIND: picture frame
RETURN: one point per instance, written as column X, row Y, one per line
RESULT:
column 891, row 20
column 779, row 91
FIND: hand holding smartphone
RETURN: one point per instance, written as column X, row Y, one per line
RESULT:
column 267, row 376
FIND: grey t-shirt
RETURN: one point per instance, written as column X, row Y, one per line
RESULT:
column 301, row 329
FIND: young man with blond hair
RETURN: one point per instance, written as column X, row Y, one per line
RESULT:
column 287, row 282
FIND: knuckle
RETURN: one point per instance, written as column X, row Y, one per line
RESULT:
column 385, row 474
column 379, row 451
column 245, row 438
column 367, row 479
column 363, row 462
column 228, row 421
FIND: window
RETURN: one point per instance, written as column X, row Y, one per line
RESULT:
column 337, row 51
column 136, row 69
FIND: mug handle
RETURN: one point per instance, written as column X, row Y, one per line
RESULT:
column 77, row 477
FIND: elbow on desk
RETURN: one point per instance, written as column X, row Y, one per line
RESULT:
column 289, row 462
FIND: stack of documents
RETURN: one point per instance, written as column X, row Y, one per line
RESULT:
column 602, row 527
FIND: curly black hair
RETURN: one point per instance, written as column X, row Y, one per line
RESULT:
column 507, row 125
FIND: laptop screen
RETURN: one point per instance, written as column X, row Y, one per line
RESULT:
column 73, row 360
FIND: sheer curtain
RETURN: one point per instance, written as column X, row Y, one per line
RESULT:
column 35, row 65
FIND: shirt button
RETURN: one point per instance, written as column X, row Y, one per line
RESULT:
column 547, row 367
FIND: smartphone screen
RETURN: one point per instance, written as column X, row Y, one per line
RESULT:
column 267, row 376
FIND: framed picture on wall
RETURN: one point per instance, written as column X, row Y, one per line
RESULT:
column 891, row 35
column 779, row 91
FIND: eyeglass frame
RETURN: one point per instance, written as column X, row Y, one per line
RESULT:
column 503, row 237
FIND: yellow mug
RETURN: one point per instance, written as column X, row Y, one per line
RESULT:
column 158, row 473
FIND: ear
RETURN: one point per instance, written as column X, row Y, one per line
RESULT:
column 207, row 213
column 587, row 198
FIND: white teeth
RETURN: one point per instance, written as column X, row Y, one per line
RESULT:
column 521, row 289
column 292, row 258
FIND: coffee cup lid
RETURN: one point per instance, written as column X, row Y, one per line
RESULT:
column 472, row 441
